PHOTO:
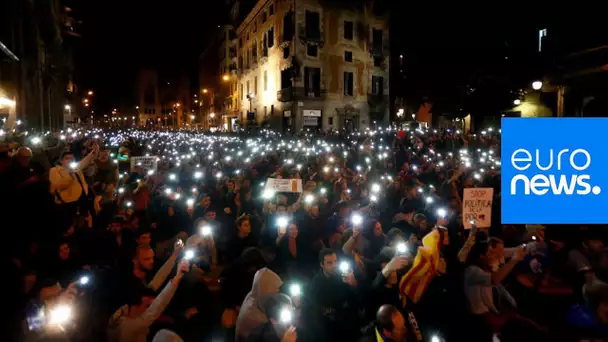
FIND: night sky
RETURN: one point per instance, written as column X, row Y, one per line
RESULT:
column 118, row 39
column 440, row 48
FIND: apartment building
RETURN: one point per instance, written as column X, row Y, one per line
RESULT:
column 313, row 64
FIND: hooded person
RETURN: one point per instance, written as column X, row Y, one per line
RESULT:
column 279, row 327
column 251, row 315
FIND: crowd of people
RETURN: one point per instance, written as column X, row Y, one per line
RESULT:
column 135, row 235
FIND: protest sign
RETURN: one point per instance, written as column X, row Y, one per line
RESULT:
column 284, row 185
column 477, row 206
column 146, row 163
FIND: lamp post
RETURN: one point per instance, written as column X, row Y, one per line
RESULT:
column 413, row 117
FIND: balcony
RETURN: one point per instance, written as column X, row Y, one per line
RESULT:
column 375, row 99
column 378, row 50
column 310, row 36
column 285, row 95
column 285, row 39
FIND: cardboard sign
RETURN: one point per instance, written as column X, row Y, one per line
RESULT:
column 284, row 185
column 146, row 163
column 477, row 205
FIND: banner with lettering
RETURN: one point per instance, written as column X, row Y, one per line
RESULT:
column 284, row 185
column 146, row 163
column 477, row 206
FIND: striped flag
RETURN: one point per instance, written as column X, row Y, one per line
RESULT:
column 417, row 279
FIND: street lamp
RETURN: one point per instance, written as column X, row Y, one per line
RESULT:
column 212, row 115
column 413, row 116
column 400, row 112
column 226, row 78
column 90, row 92
column 536, row 85
column 205, row 91
column 517, row 102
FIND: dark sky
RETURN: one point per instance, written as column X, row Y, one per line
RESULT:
column 118, row 39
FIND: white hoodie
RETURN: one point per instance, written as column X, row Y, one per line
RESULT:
column 265, row 283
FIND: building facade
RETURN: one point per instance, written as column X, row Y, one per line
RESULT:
column 36, row 39
column 313, row 64
column 163, row 103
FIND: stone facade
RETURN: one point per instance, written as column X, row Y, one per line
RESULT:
column 306, row 64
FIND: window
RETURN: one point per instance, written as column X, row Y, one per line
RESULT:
column 247, row 87
column 264, row 17
column 348, row 56
column 264, row 47
column 312, row 81
column 348, row 83
column 271, row 9
column 349, row 30
column 242, row 93
column 541, row 34
column 377, row 38
column 265, row 111
column 330, row 120
column 378, row 61
column 377, row 85
column 313, row 25
column 312, row 50
column 285, row 79
column 271, row 110
column 286, row 52
column 255, row 85
column 265, row 80
column 271, row 37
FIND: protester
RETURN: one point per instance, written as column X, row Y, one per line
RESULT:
column 255, row 210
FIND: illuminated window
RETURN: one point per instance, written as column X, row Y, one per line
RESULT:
column 255, row 85
column 265, row 80
column 541, row 34
column 271, row 37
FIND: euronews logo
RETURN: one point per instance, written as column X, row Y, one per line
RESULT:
column 559, row 173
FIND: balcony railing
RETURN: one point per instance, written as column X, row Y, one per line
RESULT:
column 310, row 36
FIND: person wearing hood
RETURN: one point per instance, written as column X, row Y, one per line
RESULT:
column 251, row 316
column 279, row 328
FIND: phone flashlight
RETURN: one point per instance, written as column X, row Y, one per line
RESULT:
column 150, row 172
column 534, row 238
column 435, row 338
column 172, row 176
column 190, row 202
column 198, row 175
column 309, row 199
column 206, row 230
column 286, row 316
column 375, row 188
column 344, row 267
column 442, row 213
column 357, row 219
column 267, row 194
column 218, row 175
column 323, row 190
column 121, row 190
column 73, row 165
column 295, row 290
column 401, row 248
column 282, row 221
column 84, row 280
column 189, row 254
column 59, row 315
column 373, row 198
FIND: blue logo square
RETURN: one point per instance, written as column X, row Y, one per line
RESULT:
column 554, row 171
